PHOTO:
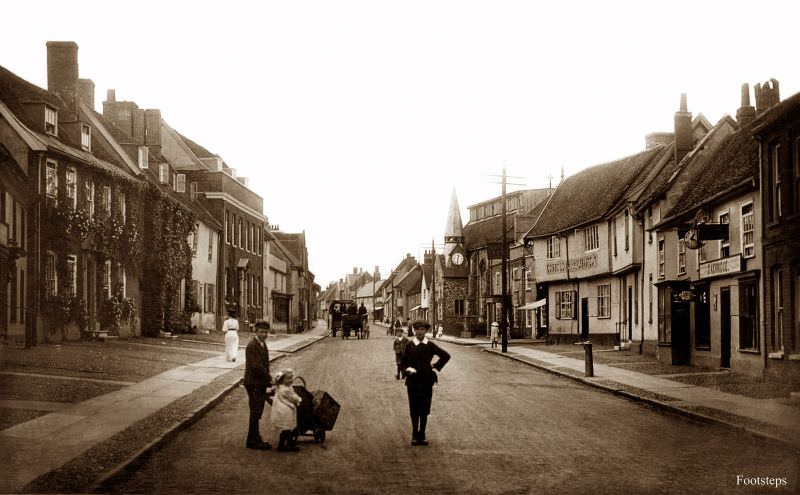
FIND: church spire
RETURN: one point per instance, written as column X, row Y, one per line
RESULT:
column 454, row 230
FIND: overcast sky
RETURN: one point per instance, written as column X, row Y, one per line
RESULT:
column 355, row 120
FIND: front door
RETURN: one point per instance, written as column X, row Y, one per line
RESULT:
column 585, row 318
column 725, row 328
column 630, row 313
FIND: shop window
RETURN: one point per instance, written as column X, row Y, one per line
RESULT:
column 748, row 323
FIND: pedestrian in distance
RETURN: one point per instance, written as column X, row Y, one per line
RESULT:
column 399, row 346
column 408, row 326
column 256, row 381
column 494, row 334
column 283, row 415
column 230, row 327
column 420, row 373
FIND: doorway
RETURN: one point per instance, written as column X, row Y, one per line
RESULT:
column 585, row 319
column 725, row 327
column 629, row 318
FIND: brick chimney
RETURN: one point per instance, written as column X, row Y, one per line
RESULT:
column 137, row 120
column 746, row 113
column 86, row 92
column 126, row 116
column 152, row 125
column 683, row 130
column 767, row 96
column 62, row 71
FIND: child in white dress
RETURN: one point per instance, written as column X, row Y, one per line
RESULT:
column 231, row 329
column 283, row 415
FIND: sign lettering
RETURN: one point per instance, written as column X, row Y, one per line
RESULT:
column 720, row 267
column 577, row 264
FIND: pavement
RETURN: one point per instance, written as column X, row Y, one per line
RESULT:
column 775, row 417
column 34, row 448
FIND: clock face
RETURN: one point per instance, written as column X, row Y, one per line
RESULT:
column 457, row 258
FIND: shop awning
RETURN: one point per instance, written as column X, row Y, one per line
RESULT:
column 415, row 308
column 243, row 262
column 534, row 305
column 378, row 308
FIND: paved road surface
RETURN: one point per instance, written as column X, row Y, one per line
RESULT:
column 498, row 426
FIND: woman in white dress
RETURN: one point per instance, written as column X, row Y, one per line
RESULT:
column 231, row 329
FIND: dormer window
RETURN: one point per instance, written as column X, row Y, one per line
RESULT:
column 50, row 121
column 163, row 173
column 180, row 183
column 86, row 137
column 143, row 157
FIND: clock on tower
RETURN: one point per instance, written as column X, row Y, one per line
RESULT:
column 457, row 259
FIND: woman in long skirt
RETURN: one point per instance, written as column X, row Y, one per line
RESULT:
column 231, row 329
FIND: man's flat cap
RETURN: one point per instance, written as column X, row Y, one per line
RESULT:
column 421, row 324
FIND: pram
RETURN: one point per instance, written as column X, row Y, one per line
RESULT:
column 316, row 414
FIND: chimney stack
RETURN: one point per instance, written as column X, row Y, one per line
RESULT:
column 767, row 96
column 683, row 130
column 746, row 113
column 62, row 71
column 86, row 92
column 152, row 124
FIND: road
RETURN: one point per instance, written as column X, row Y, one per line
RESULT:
column 497, row 426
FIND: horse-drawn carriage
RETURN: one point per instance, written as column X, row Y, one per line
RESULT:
column 344, row 317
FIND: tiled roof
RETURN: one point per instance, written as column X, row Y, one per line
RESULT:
column 15, row 91
column 735, row 161
column 198, row 150
column 776, row 112
column 477, row 234
column 411, row 280
column 588, row 195
column 292, row 243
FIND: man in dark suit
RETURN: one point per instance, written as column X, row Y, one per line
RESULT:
column 256, row 381
column 420, row 377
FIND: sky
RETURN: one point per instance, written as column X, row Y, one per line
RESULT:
column 356, row 120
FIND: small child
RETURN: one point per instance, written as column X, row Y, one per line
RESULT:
column 283, row 415
column 399, row 346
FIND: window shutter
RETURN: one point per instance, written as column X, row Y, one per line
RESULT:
column 574, row 304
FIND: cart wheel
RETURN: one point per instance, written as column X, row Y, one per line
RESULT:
column 319, row 435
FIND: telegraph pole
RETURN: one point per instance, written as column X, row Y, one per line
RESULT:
column 504, row 269
column 505, row 299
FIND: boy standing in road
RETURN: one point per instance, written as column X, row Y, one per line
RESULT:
column 256, row 381
column 420, row 377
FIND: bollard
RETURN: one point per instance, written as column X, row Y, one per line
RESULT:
column 587, row 347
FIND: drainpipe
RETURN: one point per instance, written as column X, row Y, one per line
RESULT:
column 641, row 326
